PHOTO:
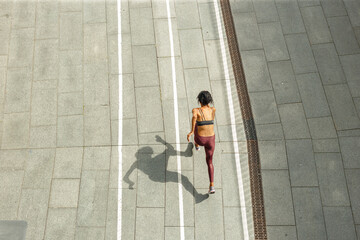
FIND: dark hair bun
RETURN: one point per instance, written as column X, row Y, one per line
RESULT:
column 204, row 98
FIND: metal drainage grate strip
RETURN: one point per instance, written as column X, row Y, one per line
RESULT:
column 257, row 196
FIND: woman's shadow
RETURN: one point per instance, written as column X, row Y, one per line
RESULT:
column 153, row 167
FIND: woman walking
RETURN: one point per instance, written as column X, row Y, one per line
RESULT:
column 203, row 130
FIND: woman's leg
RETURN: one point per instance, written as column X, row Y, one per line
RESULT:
column 209, row 151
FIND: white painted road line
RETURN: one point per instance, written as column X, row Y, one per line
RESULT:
column 233, row 124
column 176, row 116
column 120, row 80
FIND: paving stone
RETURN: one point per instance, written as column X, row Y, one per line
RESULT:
column 221, row 102
column 269, row 131
column 208, row 21
column 94, row 11
column 4, row 34
column 3, row 61
column 64, row 193
column 352, row 73
column 111, row 218
column 169, row 120
column 241, row 6
column 129, row 165
column 277, row 197
column 97, row 125
column 190, row 195
column 328, row 63
column 316, row 25
column 96, row 158
column 70, row 103
column 162, row 37
column 68, row 162
column 228, row 147
column 357, row 33
column 145, row 227
column 321, row 128
column 353, row 178
column 145, row 66
column 43, row 137
column 333, row 8
column 173, row 233
column 127, row 54
column 272, row 154
column 352, row 9
column 326, row 145
column 43, row 107
column 350, row 150
column 247, row 31
column 21, row 48
column 342, row 107
column 10, row 193
column 196, row 80
column 60, row 223
column 112, row 20
column 45, row 84
column 89, row 233
column 96, row 84
column 331, row 179
column 313, row 96
column 47, row 20
column 13, row 159
column 129, row 129
column 186, row 154
column 349, row 133
column 290, row 17
column 256, row 71
column 264, row 107
column 358, row 230
column 93, row 198
column 39, row 168
column 233, row 223
column 191, row 42
column 214, row 60
column 308, row 3
column 95, row 43
column 151, row 179
column 32, row 210
column 128, row 99
column 343, row 35
column 23, row 14
column 18, row 90
column 301, row 163
column 166, row 81
column 67, row 6
column 70, row 71
column 265, row 11
column 225, row 133
column 339, row 223
column 140, row 4
column 293, row 121
column 71, row 30
column 142, row 29
column 159, row 8
column 148, row 107
column 70, row 131
column 308, row 213
column 16, row 131
column 281, row 232
column 230, row 188
column 283, row 81
column 357, row 105
column 187, row 14
column 273, row 41
column 300, row 53
column 213, row 227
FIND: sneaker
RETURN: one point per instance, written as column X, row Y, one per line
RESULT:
column 197, row 148
column 211, row 190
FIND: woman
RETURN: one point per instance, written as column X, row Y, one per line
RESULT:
column 203, row 130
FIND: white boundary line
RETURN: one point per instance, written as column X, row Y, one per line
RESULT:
column 233, row 126
column 120, row 80
column 176, row 116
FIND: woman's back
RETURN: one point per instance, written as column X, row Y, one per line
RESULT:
column 205, row 114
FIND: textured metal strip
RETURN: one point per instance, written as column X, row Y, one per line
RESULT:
column 257, row 196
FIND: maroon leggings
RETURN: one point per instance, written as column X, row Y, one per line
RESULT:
column 209, row 144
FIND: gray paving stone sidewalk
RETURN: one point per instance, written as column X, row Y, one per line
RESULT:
column 59, row 118
column 301, row 63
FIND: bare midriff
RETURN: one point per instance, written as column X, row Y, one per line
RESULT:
column 206, row 130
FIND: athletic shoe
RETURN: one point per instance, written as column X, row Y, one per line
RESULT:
column 197, row 148
column 211, row 190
